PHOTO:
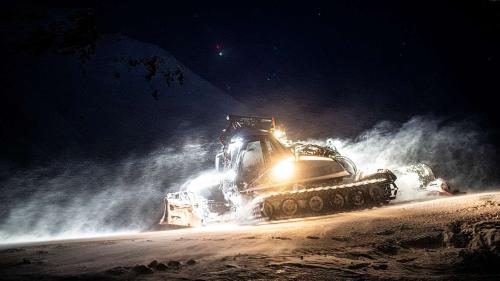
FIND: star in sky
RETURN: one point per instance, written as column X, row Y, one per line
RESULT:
column 219, row 49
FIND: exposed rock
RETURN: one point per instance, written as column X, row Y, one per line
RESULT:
column 153, row 264
column 161, row 266
column 142, row 269
column 191, row 262
column 174, row 264
column 117, row 270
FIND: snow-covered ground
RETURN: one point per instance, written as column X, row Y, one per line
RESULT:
column 448, row 238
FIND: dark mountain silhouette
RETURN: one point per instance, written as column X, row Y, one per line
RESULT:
column 70, row 91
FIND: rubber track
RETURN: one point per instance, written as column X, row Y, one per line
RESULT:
column 344, row 189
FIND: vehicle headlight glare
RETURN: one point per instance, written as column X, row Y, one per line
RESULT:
column 284, row 169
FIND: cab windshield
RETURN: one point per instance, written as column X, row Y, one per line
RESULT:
column 258, row 155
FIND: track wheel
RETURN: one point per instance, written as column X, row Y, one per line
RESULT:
column 267, row 210
column 338, row 201
column 289, row 207
column 357, row 198
column 316, row 203
column 376, row 194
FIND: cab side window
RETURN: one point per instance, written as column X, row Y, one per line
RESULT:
column 275, row 151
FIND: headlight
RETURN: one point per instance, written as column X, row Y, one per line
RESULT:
column 284, row 169
column 278, row 134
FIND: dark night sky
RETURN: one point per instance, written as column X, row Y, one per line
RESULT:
column 393, row 59
column 344, row 65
